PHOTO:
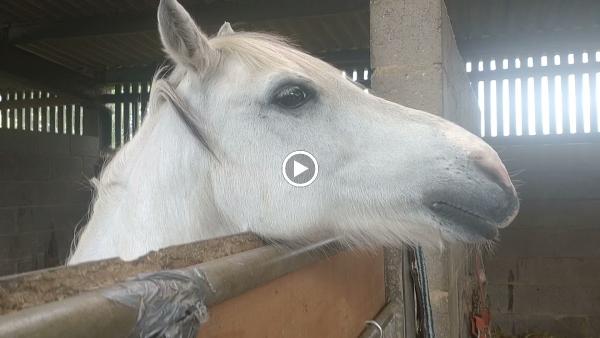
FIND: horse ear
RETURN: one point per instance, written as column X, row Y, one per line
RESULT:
column 225, row 29
column 183, row 41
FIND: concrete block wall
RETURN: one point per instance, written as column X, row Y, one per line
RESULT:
column 544, row 276
column 416, row 63
column 44, row 194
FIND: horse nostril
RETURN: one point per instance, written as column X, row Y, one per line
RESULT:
column 489, row 163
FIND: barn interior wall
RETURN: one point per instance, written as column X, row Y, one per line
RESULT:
column 545, row 274
column 416, row 63
column 44, row 194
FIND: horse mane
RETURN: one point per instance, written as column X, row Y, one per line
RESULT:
column 262, row 51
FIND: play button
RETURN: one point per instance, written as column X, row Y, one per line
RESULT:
column 300, row 168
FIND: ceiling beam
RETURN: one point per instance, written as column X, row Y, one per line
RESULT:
column 206, row 15
column 42, row 73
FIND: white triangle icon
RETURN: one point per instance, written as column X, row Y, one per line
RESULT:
column 299, row 168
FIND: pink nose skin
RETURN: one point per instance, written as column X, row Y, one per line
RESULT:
column 489, row 163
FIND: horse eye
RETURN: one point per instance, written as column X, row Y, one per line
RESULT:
column 291, row 97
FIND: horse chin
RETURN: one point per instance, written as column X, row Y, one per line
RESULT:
column 464, row 223
column 473, row 216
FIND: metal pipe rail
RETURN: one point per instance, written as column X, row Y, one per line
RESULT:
column 170, row 303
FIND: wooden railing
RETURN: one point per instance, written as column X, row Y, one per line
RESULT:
column 542, row 94
column 40, row 111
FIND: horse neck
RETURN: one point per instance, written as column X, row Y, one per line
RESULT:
column 156, row 192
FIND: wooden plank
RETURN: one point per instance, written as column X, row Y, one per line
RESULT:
column 500, row 105
column 565, row 103
column 593, row 104
column 550, row 70
column 521, row 43
column 118, row 119
column 145, row 97
column 538, row 113
column 332, row 298
column 63, row 123
column 30, row 289
column 524, row 105
column 127, row 113
column 14, row 111
column 22, row 116
column 10, row 112
column 488, row 108
column 22, row 121
column 551, row 105
column 135, row 115
column 579, row 118
column 41, row 116
column 51, row 119
column 90, row 121
column 27, row 102
column 76, row 119
column 58, row 116
column 30, row 118
column 512, row 107
column 104, row 127
column 6, row 110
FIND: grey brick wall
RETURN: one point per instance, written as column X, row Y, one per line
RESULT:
column 544, row 276
column 44, row 194
column 416, row 63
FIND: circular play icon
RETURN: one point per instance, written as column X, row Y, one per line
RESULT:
column 300, row 168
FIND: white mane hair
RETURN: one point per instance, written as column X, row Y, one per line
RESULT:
column 206, row 160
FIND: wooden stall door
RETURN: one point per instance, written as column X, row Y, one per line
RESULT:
column 331, row 298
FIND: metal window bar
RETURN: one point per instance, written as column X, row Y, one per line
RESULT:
column 542, row 94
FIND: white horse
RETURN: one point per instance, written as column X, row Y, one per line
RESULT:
column 207, row 160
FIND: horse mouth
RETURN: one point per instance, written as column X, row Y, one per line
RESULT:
column 467, row 219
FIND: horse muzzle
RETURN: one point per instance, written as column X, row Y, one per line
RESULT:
column 478, row 204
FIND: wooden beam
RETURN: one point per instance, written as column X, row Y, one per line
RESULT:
column 209, row 16
column 529, row 44
column 524, row 72
column 41, row 73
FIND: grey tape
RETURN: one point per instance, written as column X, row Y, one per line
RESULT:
column 170, row 303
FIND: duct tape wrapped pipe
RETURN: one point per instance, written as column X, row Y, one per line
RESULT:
column 169, row 303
